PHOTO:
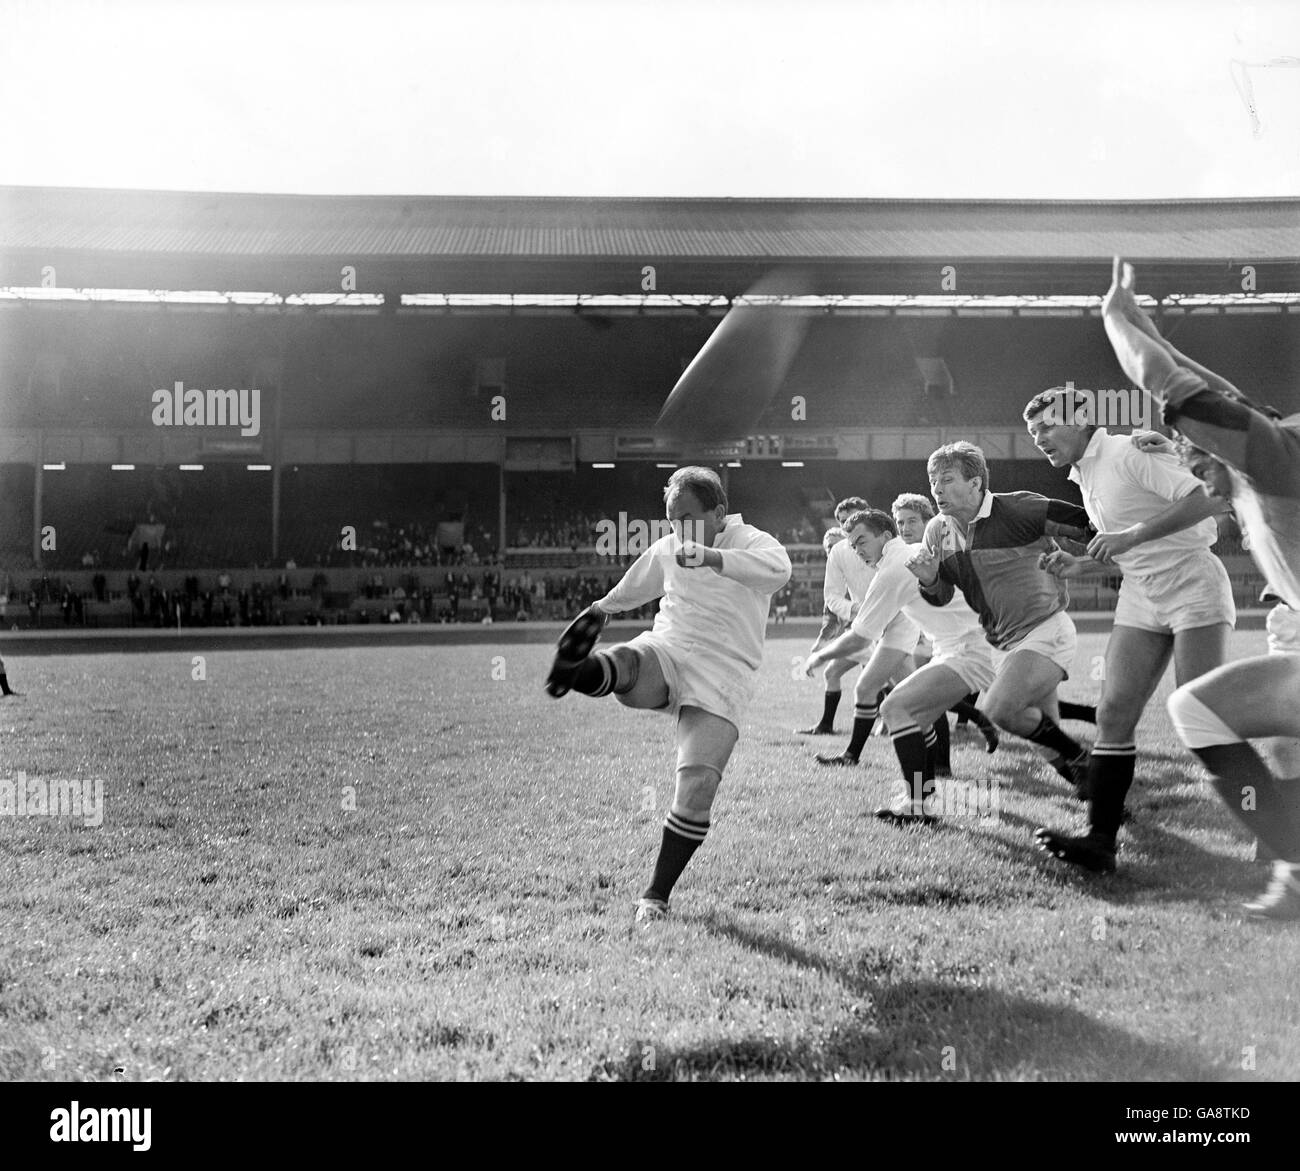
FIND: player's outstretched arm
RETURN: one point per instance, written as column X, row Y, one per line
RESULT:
column 1181, row 514
column 847, row 644
column 643, row 582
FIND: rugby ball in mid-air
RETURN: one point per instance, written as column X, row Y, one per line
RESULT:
column 733, row 379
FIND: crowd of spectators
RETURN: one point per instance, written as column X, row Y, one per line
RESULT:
column 411, row 543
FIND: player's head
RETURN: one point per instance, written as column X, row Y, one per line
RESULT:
column 912, row 512
column 1061, row 423
column 959, row 477
column 832, row 537
column 696, row 503
column 848, row 506
column 867, row 531
column 1212, row 472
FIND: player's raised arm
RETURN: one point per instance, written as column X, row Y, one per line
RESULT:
column 1126, row 303
column 1234, row 431
column 1143, row 357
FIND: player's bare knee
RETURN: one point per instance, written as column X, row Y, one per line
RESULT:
column 1117, row 720
column 1003, row 714
column 697, row 785
column 893, row 713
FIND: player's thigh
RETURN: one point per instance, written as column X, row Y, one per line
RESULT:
column 1025, row 679
column 651, row 688
column 883, row 665
column 704, row 739
column 1199, row 651
column 1254, row 697
column 1135, row 663
column 924, row 696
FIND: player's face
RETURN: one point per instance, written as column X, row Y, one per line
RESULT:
column 911, row 525
column 953, row 493
column 1211, row 472
column 867, row 544
column 1062, row 443
column 690, row 520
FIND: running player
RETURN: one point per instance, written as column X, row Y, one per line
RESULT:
column 988, row 546
column 1155, row 521
column 1248, row 455
column 716, row 576
column 5, row 689
column 843, row 588
column 879, row 620
column 962, row 661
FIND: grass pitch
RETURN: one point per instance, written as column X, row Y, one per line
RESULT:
column 408, row 862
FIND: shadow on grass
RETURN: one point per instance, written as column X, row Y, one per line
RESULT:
column 921, row 1030
column 1155, row 865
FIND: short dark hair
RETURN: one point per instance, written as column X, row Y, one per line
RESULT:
column 1065, row 403
column 965, row 457
column 851, row 504
column 877, row 522
column 702, row 483
column 914, row 502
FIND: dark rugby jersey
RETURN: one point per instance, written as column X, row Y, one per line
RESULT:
column 996, row 565
column 1263, row 458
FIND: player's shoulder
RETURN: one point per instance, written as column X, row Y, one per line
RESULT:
column 738, row 533
column 1017, row 499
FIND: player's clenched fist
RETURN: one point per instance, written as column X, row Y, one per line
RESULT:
column 1153, row 443
column 924, row 565
column 695, row 556
column 1059, row 563
column 1105, row 547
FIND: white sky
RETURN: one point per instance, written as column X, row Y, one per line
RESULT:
column 798, row 98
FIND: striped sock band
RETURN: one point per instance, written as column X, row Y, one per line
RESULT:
column 693, row 830
column 597, row 676
column 681, row 838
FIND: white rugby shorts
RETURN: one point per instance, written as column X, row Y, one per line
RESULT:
column 1193, row 592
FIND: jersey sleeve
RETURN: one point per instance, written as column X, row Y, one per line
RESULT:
column 643, row 582
column 1263, row 449
column 761, row 565
column 890, row 588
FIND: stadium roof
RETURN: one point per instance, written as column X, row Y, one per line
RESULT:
column 159, row 239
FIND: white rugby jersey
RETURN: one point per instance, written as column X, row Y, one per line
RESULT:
column 896, row 591
column 846, row 572
column 1122, row 486
column 719, row 612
